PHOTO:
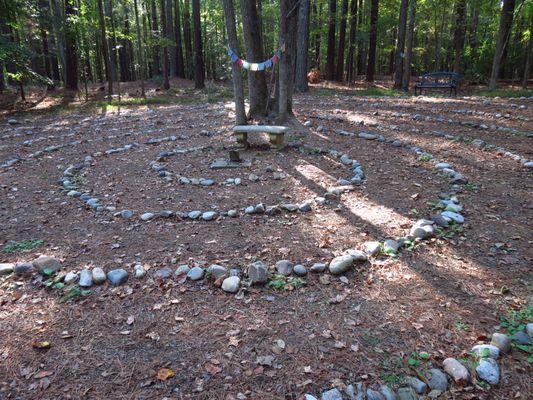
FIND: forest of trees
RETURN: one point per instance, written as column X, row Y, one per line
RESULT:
column 71, row 43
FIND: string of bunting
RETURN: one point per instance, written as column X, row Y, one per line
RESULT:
column 256, row 66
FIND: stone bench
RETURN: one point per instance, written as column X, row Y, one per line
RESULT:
column 275, row 133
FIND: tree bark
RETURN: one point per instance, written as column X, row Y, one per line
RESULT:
column 302, row 47
column 142, row 71
column 60, row 38
column 361, row 56
column 71, row 58
column 400, row 46
column 459, row 34
column 114, row 53
column 339, row 74
column 371, row 64
column 252, row 39
column 199, row 70
column 527, row 65
column 187, row 36
column 409, row 51
column 350, row 62
column 156, row 62
column 287, row 31
column 180, row 67
column 506, row 20
column 164, row 34
column 318, row 30
column 330, row 56
column 105, row 49
column 238, row 91
column 171, row 36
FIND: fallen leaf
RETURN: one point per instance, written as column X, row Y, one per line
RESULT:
column 43, row 374
column 212, row 368
column 130, row 320
column 41, row 345
column 165, row 373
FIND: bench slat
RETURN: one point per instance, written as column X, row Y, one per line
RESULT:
column 276, row 130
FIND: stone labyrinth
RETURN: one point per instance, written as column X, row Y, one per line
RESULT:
column 361, row 185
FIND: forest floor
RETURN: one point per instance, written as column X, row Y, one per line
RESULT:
column 440, row 297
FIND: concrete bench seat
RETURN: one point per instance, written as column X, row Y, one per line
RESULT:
column 275, row 133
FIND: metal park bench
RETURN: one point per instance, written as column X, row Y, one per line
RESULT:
column 275, row 133
column 439, row 80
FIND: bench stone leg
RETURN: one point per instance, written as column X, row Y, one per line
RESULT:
column 242, row 138
column 276, row 140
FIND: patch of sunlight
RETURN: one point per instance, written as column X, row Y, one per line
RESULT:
column 358, row 118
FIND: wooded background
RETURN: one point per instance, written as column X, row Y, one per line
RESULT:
column 74, row 42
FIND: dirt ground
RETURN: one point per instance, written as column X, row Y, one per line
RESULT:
column 442, row 297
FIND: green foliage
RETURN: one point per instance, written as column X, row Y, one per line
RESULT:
column 461, row 326
column 74, row 292
column 516, row 320
column 417, row 359
column 22, row 247
column 506, row 93
column 280, row 282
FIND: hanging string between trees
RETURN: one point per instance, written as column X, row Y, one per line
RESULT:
column 257, row 66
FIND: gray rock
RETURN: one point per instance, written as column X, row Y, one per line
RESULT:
column 521, row 338
column 231, row 284
column 350, row 392
column 24, row 268
column 182, row 269
column 273, row 210
column 345, row 159
column 166, row 214
column 249, row 210
column 388, row 393
column 374, row 395
column 318, row 267
column 258, row 273
column 489, row 371
column 341, row 264
column 437, row 379
column 300, row 270
column 372, row 248
column 528, row 164
column 407, row 393
column 259, row 208
column 457, row 371
column 163, row 273
column 117, row 276
column 217, row 271
column 357, row 255
column 443, row 165
column 309, row 397
column 99, row 275
column 440, row 221
column 453, row 216
column 147, row 216
column 367, row 136
column 46, row 263
column 194, row 214
column 207, row 182
column 289, row 207
column 304, row 207
column 70, row 277
column 332, row 394
column 284, row 267
column 6, row 268
column 86, row 278
column 486, row 350
column 139, row 271
column 529, row 329
column 195, row 274
column 209, row 215
column 232, row 213
column 419, row 386
column 501, row 341
column 390, row 246
column 422, row 231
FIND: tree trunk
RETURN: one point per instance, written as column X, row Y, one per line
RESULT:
column 339, row 74
column 318, row 30
column 350, row 63
column 400, row 46
column 114, row 52
column 60, row 38
column 164, row 34
column 105, row 49
column 330, row 57
column 142, row 71
column 506, row 20
column 459, row 34
column 187, row 38
column 199, row 70
column 473, row 34
column 252, row 39
column 361, row 57
column 527, row 65
column 238, row 91
column 156, row 63
column 302, row 47
column 371, row 65
column 180, row 67
column 287, row 33
column 409, row 51
column 170, row 36
column 43, row 26
column 71, row 58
